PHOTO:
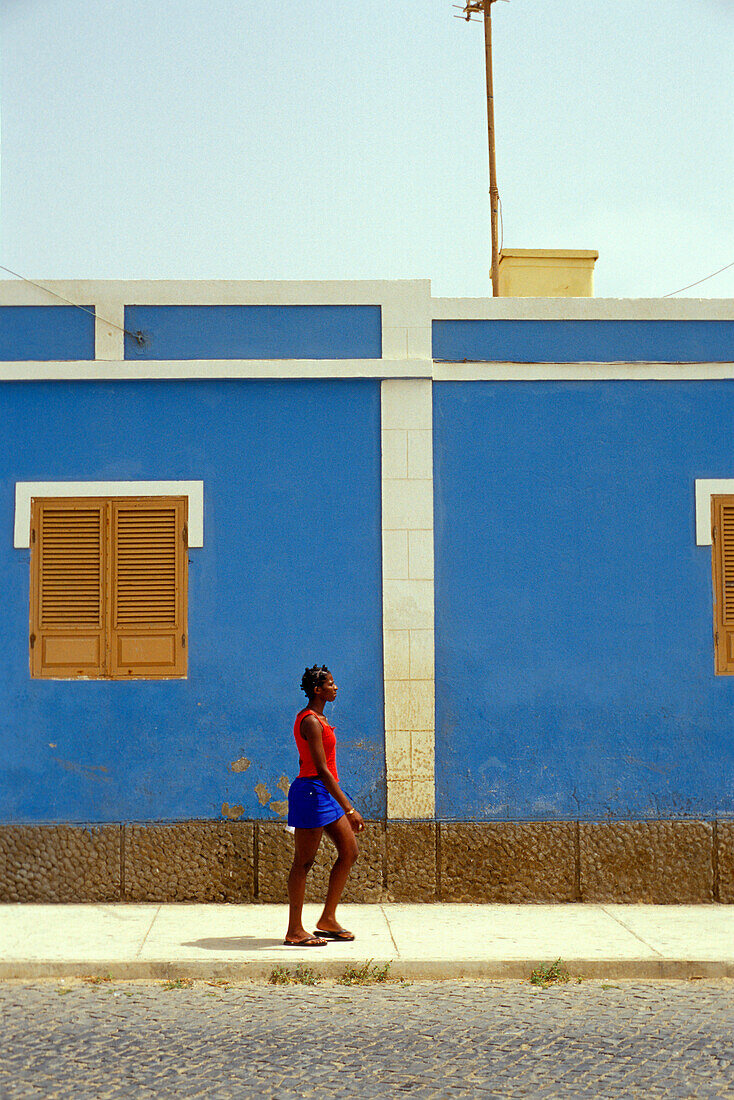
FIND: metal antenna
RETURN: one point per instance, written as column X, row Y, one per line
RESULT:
column 484, row 8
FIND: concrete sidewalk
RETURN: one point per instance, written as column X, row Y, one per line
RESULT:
column 419, row 941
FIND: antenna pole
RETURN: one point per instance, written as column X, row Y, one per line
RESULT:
column 484, row 9
column 494, row 195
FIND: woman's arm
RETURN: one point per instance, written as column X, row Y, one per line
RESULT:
column 311, row 731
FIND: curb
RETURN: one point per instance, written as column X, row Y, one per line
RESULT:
column 409, row 969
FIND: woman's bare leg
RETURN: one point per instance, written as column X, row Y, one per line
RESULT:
column 347, row 851
column 307, row 845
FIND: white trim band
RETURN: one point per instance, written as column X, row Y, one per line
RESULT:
column 583, row 309
column 26, row 490
column 580, row 372
column 705, row 489
column 283, row 370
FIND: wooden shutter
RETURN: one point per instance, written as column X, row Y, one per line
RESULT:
column 148, row 576
column 108, row 588
column 722, row 540
column 67, row 629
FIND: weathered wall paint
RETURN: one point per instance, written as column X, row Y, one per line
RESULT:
column 254, row 332
column 584, row 341
column 574, row 651
column 46, row 333
column 289, row 574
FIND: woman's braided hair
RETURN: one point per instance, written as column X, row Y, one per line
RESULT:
column 313, row 678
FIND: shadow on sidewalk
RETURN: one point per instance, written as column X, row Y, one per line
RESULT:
column 234, row 943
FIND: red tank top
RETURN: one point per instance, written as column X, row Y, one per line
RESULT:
column 308, row 768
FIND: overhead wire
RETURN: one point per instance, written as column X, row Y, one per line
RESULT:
column 137, row 336
column 698, row 281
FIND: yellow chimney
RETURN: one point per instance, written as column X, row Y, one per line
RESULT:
column 547, row 273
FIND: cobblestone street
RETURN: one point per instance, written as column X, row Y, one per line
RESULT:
column 427, row 1039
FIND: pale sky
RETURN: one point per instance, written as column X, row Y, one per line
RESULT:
column 251, row 140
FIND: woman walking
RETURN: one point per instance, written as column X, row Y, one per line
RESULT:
column 317, row 804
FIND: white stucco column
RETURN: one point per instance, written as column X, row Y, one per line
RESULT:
column 109, row 339
column 407, row 596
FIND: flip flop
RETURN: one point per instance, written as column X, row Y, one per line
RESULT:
column 309, row 941
column 342, row 934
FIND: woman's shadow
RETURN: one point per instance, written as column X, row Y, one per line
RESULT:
column 234, row 943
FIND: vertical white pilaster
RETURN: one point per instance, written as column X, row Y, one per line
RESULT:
column 109, row 340
column 407, row 320
column 407, row 596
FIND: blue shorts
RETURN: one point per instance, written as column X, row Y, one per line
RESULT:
column 310, row 806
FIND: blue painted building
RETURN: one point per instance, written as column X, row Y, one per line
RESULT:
column 490, row 517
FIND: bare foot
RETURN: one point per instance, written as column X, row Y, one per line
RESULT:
column 328, row 924
column 302, row 938
column 330, row 927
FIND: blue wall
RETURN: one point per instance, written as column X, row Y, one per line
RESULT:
column 574, row 649
column 584, row 341
column 574, row 652
column 254, row 332
column 46, row 332
column 289, row 574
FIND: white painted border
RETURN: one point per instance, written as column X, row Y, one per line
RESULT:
column 705, row 489
column 285, row 369
column 26, row 490
column 410, row 297
column 131, row 370
column 580, row 372
column 583, row 309
column 204, row 292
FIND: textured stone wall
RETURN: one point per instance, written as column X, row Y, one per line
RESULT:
column 508, row 862
column 665, row 862
column 48, row 863
column 725, row 861
column 192, row 861
column 411, row 861
column 662, row 862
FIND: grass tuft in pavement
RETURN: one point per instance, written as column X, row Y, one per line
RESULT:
column 302, row 975
column 552, row 974
column 367, row 974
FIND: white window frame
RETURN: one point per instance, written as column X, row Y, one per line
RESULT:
column 25, row 491
column 705, row 489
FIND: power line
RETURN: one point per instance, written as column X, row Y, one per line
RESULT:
column 137, row 336
column 502, row 225
column 705, row 278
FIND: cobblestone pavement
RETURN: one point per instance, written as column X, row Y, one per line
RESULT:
column 427, row 1039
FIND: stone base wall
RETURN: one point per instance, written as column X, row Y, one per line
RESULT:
column 660, row 862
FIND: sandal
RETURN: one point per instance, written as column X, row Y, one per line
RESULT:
column 340, row 934
column 309, row 941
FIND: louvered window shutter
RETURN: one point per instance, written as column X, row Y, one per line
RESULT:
column 147, row 614
column 67, row 588
column 722, row 519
